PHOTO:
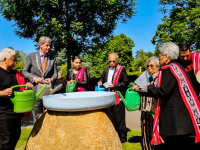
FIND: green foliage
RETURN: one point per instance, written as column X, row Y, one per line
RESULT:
column 140, row 60
column 63, row 69
column 73, row 25
column 98, row 57
column 21, row 57
column 156, row 52
column 135, row 73
column 61, row 58
column 182, row 24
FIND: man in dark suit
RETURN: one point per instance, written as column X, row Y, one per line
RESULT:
column 117, row 76
column 40, row 67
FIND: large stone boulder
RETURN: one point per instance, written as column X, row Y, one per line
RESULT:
column 90, row 130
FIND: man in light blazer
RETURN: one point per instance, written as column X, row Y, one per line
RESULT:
column 116, row 74
column 40, row 67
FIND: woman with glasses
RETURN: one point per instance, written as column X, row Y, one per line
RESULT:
column 177, row 115
column 80, row 74
column 146, row 115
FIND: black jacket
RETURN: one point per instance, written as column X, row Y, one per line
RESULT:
column 122, row 82
column 84, row 83
column 174, row 117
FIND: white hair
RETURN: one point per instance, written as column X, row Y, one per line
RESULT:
column 155, row 59
column 6, row 53
column 170, row 49
column 44, row 39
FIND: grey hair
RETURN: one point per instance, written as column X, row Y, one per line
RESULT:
column 6, row 53
column 44, row 39
column 170, row 49
column 115, row 53
column 60, row 72
column 155, row 59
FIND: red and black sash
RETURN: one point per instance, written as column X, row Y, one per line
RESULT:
column 189, row 98
column 115, row 81
column 79, row 78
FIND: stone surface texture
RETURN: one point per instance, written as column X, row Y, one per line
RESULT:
column 90, row 130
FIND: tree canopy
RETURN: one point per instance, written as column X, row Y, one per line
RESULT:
column 120, row 44
column 182, row 24
column 74, row 25
column 21, row 57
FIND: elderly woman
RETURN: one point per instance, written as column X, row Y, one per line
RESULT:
column 177, row 115
column 10, row 122
column 146, row 107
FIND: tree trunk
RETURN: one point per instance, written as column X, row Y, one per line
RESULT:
column 68, row 42
column 68, row 58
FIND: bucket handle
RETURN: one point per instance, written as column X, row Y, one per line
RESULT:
column 16, row 86
column 99, row 86
column 130, row 88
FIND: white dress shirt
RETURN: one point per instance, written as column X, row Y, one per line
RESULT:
column 110, row 74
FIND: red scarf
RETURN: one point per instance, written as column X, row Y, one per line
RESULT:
column 21, row 81
column 79, row 77
column 195, row 60
column 115, row 81
column 189, row 97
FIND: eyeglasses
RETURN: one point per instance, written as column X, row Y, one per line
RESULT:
column 150, row 66
column 161, row 55
column 112, row 61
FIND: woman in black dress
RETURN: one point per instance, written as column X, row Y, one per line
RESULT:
column 80, row 74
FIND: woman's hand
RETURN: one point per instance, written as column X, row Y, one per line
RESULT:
column 135, row 87
column 70, row 82
column 28, row 86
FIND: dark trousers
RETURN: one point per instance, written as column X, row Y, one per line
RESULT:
column 10, row 131
column 182, row 142
column 119, row 123
column 38, row 110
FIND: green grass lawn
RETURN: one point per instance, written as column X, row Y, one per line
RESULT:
column 134, row 138
column 23, row 139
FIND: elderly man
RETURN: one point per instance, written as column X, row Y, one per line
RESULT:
column 40, row 67
column 116, row 75
column 187, row 60
column 10, row 122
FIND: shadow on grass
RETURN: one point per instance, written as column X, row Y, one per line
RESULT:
column 134, row 138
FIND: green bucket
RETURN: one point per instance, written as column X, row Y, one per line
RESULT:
column 71, row 87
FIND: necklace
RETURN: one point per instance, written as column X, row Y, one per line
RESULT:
column 75, row 71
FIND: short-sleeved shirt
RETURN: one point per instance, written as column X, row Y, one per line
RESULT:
column 7, row 79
